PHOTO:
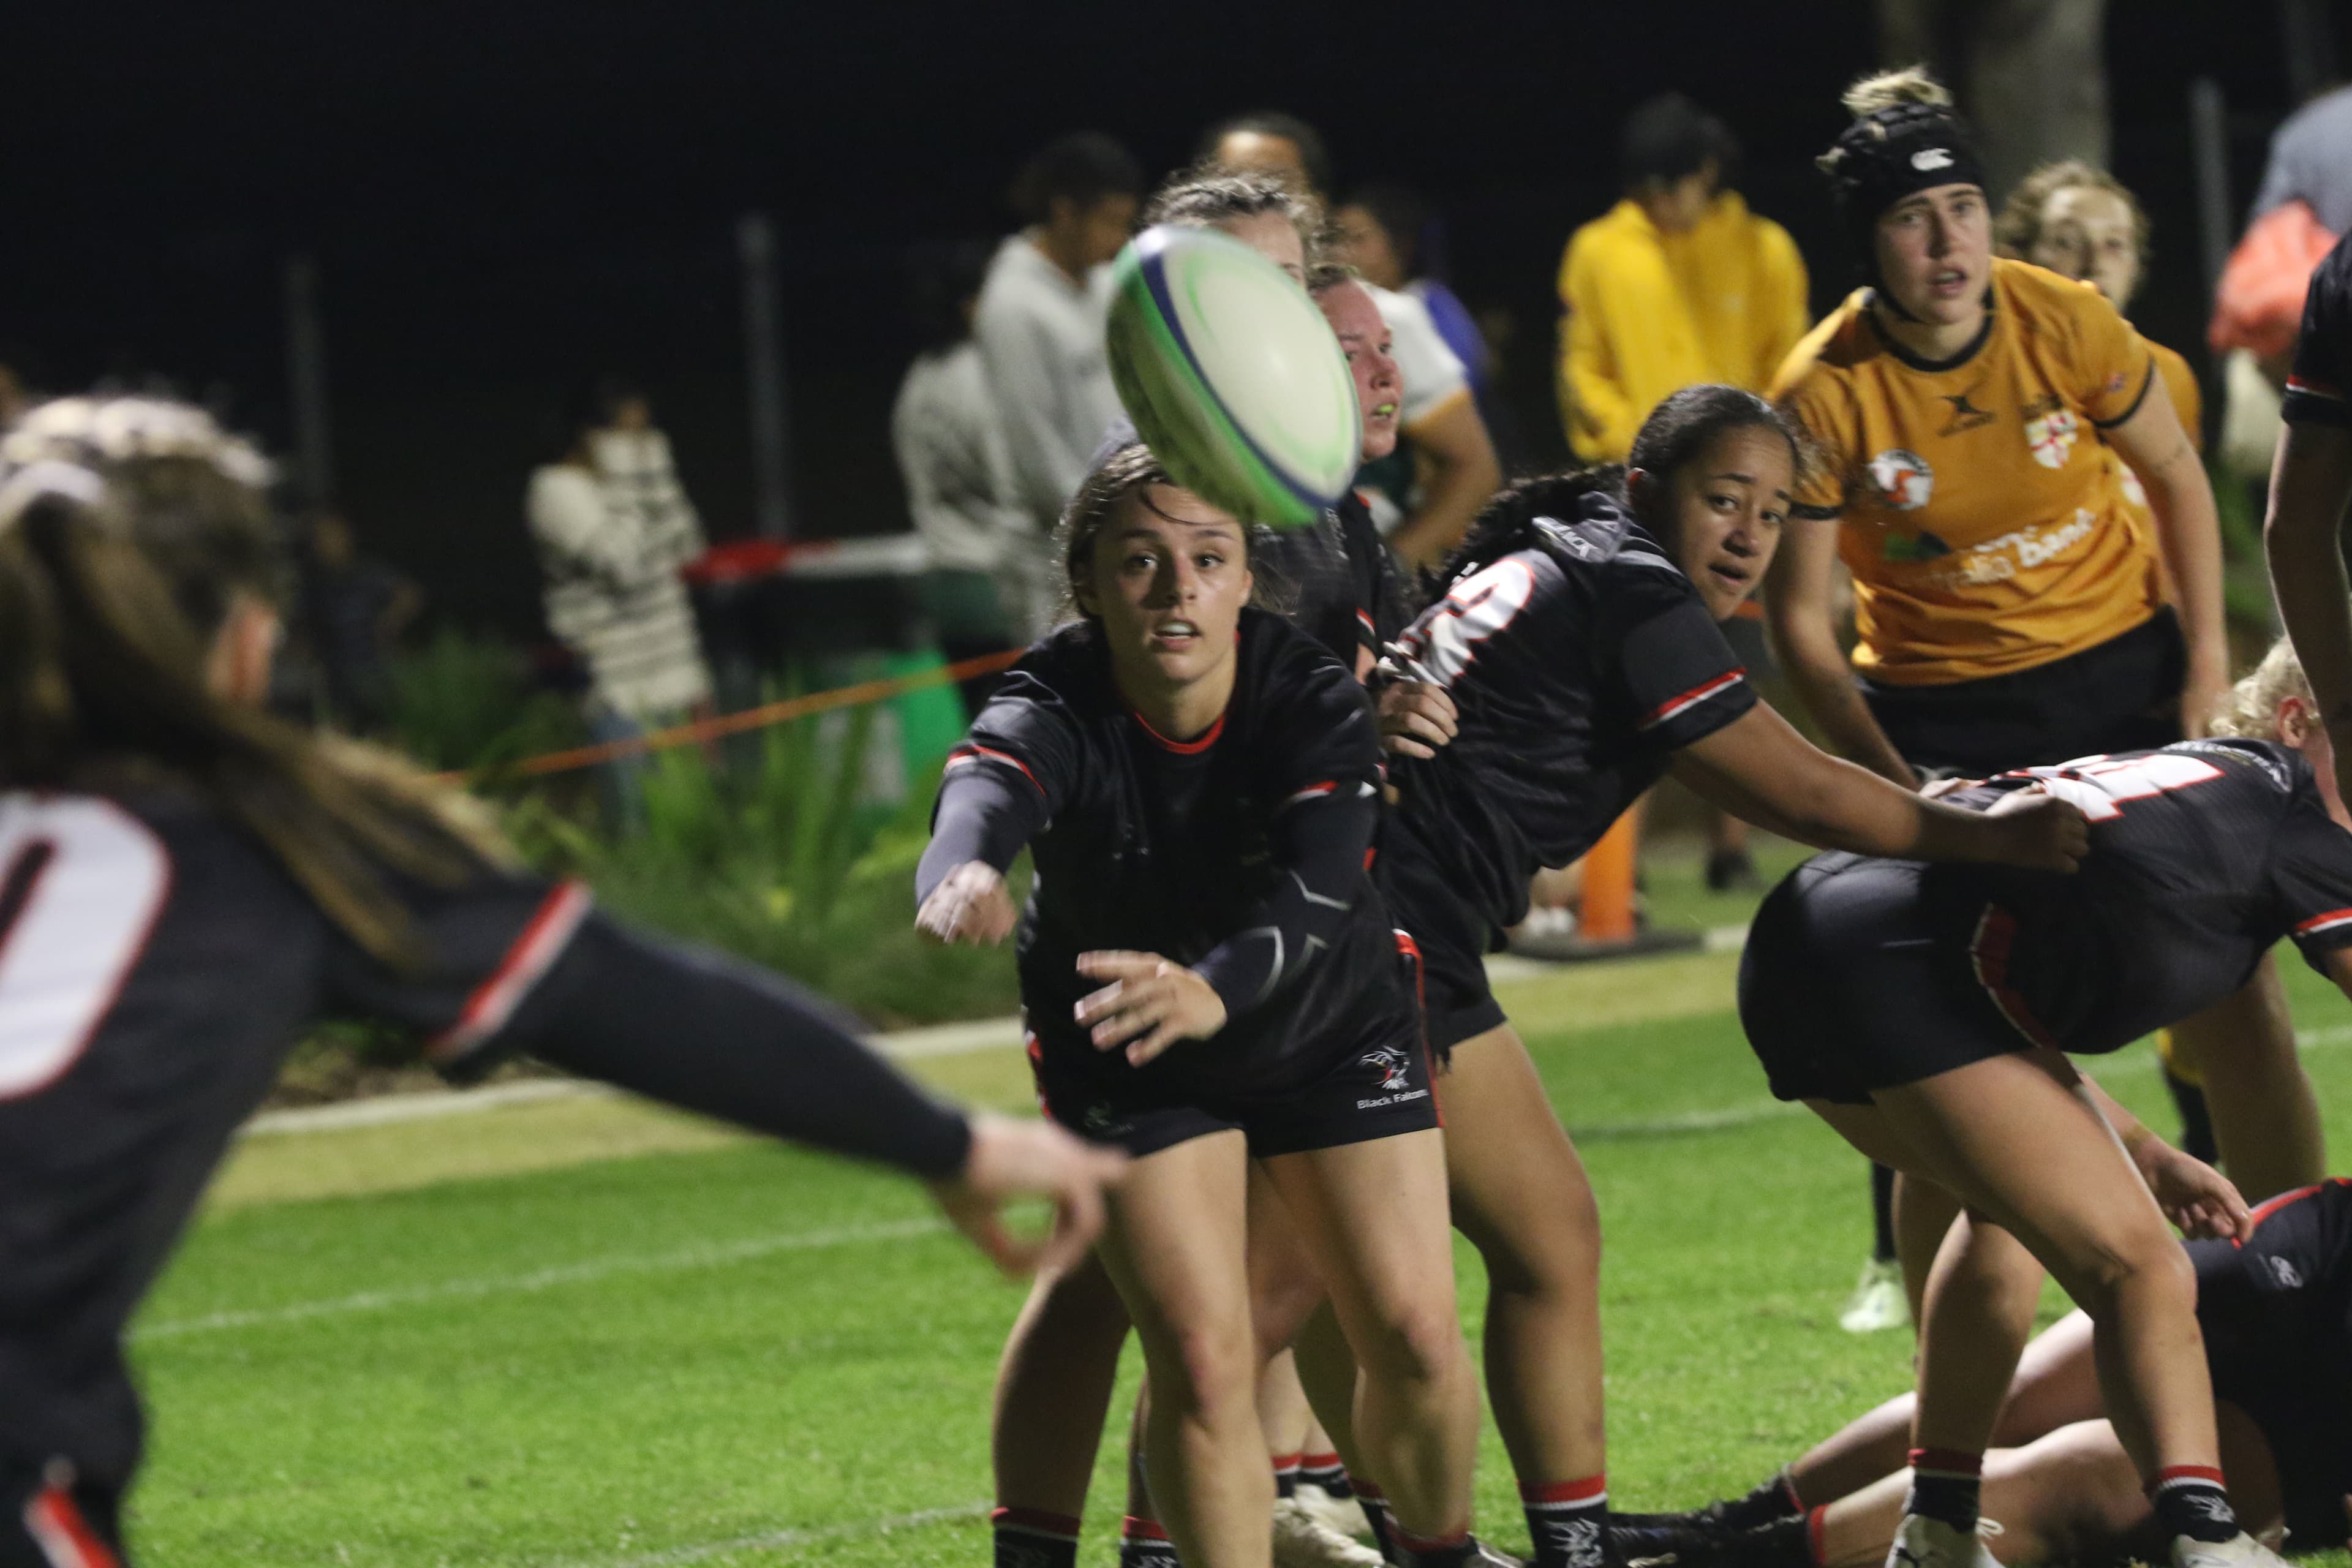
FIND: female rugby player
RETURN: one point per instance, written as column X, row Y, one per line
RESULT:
column 1580, row 648
column 2009, row 606
column 1335, row 581
column 187, row 885
column 1922, row 1012
column 1208, row 978
column 2276, row 1313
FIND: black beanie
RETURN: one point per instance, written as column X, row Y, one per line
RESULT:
column 1891, row 154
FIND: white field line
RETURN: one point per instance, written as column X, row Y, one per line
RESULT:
column 902, row 1045
column 778, row 1539
column 711, row 1256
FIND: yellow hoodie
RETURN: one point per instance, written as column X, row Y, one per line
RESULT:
column 1648, row 314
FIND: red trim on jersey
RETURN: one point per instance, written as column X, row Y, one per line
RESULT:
column 2318, row 923
column 1037, row 1522
column 1674, row 706
column 1592, row 1488
column 1036, row 1054
column 494, row 1001
column 2268, row 1206
column 64, row 1536
column 2314, row 388
column 1312, row 792
column 1184, row 748
column 1411, row 950
column 1988, row 951
column 971, row 753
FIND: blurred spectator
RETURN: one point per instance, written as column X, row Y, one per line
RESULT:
column 1424, row 495
column 1039, row 323
column 987, row 587
column 2311, row 161
column 2030, row 74
column 16, row 397
column 354, row 609
column 1388, row 234
column 612, row 526
column 1677, row 284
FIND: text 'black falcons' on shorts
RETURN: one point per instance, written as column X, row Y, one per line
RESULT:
column 1456, row 1002
column 2121, row 695
column 1376, row 1087
column 1850, row 983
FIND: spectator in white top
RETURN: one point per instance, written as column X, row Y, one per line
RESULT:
column 612, row 526
column 986, row 589
column 1445, row 467
column 1040, row 321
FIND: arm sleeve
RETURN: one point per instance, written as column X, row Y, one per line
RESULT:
column 711, row 1035
column 2317, row 388
column 1004, row 783
column 1326, row 795
column 2112, row 368
column 1681, row 676
column 1032, row 403
column 2311, row 872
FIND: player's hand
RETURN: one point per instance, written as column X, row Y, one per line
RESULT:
column 1149, row 1006
column 2199, row 697
column 1023, row 1159
column 2201, row 1203
column 971, row 904
column 1937, row 789
column 2037, row 831
column 1417, row 717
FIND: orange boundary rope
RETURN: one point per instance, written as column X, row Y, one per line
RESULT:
column 701, row 730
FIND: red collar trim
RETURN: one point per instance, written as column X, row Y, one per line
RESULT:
column 1182, row 748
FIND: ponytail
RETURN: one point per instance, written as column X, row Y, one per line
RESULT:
column 129, row 530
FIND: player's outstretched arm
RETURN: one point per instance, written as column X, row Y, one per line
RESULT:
column 2311, row 488
column 712, row 1035
column 986, row 812
column 1760, row 769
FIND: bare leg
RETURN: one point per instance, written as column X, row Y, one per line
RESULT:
column 1052, row 1389
column 1174, row 1246
column 1282, row 1413
column 1923, row 1212
column 1374, row 1215
column 1980, row 1313
column 1326, row 1369
column 2266, row 1116
column 1520, row 1194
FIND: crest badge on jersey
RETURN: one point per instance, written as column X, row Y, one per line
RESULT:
column 2050, row 436
column 1391, row 1064
column 1903, row 477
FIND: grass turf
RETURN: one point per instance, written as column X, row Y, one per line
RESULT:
column 738, row 1354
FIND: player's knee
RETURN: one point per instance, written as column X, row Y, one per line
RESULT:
column 2136, row 1262
column 1417, row 1340
column 1206, row 1370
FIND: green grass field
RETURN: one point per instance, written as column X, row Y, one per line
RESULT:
column 592, row 1335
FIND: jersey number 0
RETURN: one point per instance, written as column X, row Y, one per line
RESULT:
column 82, row 882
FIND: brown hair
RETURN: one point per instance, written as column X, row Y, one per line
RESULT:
column 2019, row 227
column 130, row 527
column 1122, row 473
column 1207, row 195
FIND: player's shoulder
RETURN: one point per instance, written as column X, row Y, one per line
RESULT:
column 2049, row 305
column 1828, row 355
column 1278, row 658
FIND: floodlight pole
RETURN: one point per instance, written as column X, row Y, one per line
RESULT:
column 306, row 377
column 2209, row 136
column 764, row 354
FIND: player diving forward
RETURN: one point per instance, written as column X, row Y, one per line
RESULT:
column 187, row 885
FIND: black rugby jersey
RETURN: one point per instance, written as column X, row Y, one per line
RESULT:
column 1579, row 667
column 1335, row 580
column 157, row 964
column 2276, row 1311
column 2203, row 855
column 1240, row 853
column 2318, row 390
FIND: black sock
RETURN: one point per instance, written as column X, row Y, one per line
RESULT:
column 1569, row 1523
column 2189, row 1500
column 1771, row 1501
column 1791, row 1541
column 1457, row 1553
column 1286, row 1475
column 1882, row 1213
column 1032, row 1538
column 1325, row 1471
column 1375, row 1504
column 1944, row 1487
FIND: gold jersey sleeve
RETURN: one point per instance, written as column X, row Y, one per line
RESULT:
column 1981, row 518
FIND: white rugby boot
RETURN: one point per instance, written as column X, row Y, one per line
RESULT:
column 1303, row 1540
column 1924, row 1542
column 2240, row 1550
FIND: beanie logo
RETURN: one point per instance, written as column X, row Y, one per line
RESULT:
column 1903, row 477
column 1928, row 158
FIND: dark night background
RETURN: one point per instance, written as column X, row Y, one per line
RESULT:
column 506, row 197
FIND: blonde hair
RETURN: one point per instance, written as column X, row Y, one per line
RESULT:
column 1891, row 90
column 2019, row 227
column 2248, row 710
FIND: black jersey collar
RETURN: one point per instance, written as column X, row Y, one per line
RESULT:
column 1917, row 361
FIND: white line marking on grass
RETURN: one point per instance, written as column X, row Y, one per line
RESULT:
column 776, row 1539
column 1729, row 1117
column 544, row 1279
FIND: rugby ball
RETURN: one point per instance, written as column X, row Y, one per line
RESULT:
column 1231, row 375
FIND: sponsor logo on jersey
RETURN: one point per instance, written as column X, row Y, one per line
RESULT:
column 1966, row 415
column 2051, row 438
column 1998, row 560
column 2285, row 1273
column 1927, row 158
column 1903, row 477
